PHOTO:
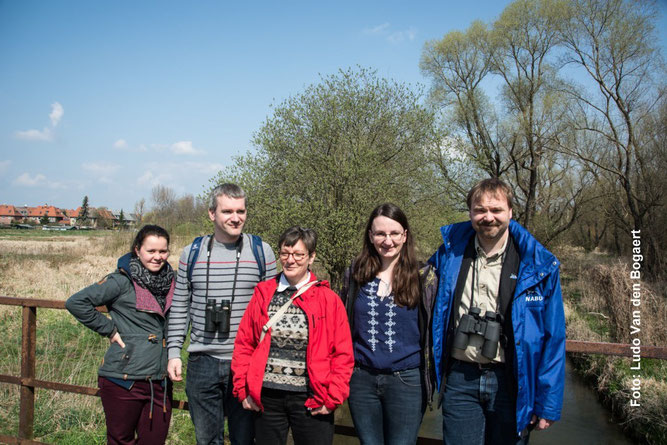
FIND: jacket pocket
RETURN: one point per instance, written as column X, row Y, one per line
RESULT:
column 142, row 356
column 112, row 358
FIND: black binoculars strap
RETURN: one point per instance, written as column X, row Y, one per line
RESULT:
column 507, row 283
column 239, row 247
column 469, row 255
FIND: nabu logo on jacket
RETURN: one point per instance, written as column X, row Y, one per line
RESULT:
column 533, row 296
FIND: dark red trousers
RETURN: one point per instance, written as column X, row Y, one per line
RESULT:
column 127, row 412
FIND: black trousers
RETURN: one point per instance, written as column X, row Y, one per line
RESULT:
column 285, row 409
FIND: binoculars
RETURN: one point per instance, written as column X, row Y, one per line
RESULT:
column 488, row 327
column 218, row 317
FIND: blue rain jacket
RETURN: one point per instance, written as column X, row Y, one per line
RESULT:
column 537, row 318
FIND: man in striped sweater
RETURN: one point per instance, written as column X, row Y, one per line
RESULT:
column 225, row 271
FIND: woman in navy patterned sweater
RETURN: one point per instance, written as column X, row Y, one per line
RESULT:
column 388, row 318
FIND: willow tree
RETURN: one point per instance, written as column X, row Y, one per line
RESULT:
column 512, row 135
column 613, row 42
column 327, row 156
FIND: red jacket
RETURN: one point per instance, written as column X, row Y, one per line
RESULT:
column 329, row 355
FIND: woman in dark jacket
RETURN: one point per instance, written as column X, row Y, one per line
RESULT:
column 389, row 307
column 135, row 391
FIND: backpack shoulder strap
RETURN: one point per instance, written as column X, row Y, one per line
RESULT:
column 192, row 257
column 258, row 251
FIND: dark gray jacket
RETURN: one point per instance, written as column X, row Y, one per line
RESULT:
column 135, row 315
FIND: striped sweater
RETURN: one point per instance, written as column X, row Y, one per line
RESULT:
column 188, row 308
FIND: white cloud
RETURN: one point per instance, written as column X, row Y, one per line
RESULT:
column 162, row 177
column 56, row 114
column 35, row 135
column 26, row 180
column 401, row 36
column 184, row 148
column 146, row 178
column 99, row 168
column 4, row 166
column 102, row 171
column 379, row 29
column 208, row 169
column 120, row 144
column 46, row 134
column 393, row 37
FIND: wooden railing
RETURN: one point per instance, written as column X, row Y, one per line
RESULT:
column 28, row 382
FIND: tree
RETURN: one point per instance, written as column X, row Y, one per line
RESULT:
column 329, row 155
column 614, row 43
column 122, row 223
column 84, row 212
column 520, row 147
column 44, row 220
column 103, row 221
column 164, row 201
column 139, row 210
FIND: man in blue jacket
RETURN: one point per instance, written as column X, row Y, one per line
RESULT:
column 498, row 325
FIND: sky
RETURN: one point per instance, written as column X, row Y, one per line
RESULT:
column 110, row 98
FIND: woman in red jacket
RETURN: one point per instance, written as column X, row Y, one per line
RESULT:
column 293, row 355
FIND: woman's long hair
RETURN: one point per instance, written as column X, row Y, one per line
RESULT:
column 405, row 279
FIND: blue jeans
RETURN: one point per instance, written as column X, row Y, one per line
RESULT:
column 477, row 407
column 386, row 408
column 209, row 388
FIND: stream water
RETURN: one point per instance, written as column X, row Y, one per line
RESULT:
column 584, row 420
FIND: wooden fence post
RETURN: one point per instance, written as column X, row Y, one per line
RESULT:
column 27, row 407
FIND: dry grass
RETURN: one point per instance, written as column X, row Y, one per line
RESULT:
column 597, row 292
column 55, row 268
column 610, row 289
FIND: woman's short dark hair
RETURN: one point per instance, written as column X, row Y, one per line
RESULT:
column 147, row 230
column 292, row 236
column 405, row 280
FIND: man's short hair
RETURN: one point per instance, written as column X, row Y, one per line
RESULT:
column 228, row 189
column 493, row 186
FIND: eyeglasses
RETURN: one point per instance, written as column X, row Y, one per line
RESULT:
column 381, row 236
column 298, row 256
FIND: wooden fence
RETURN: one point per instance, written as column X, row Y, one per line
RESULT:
column 28, row 382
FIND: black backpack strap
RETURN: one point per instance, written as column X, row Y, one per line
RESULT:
column 258, row 251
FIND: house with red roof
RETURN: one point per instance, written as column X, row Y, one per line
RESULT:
column 97, row 217
column 54, row 214
column 9, row 214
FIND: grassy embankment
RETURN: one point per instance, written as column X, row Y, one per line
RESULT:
column 597, row 291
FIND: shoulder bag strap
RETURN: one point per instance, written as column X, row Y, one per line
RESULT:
column 279, row 314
